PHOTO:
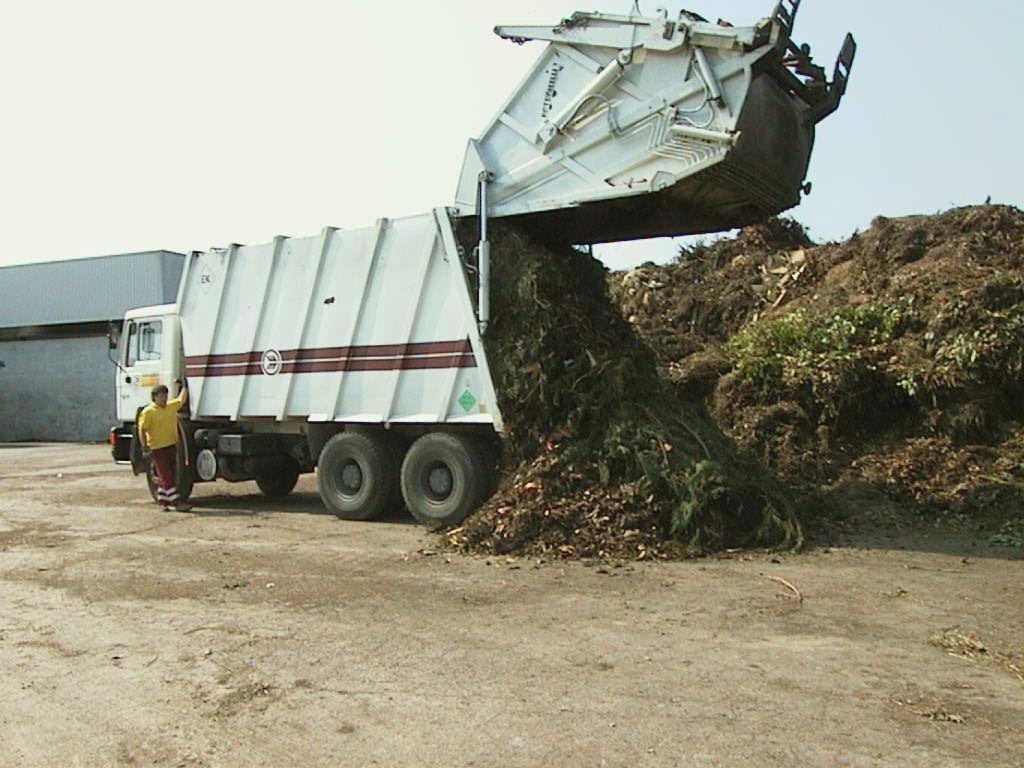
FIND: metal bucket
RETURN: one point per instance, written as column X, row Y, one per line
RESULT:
column 630, row 127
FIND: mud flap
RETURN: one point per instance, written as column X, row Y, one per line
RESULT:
column 186, row 452
column 140, row 464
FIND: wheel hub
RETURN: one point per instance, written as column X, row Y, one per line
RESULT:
column 351, row 477
column 440, row 481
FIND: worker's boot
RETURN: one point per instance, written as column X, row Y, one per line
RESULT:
column 182, row 506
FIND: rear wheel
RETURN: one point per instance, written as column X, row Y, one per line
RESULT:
column 444, row 478
column 358, row 475
column 280, row 481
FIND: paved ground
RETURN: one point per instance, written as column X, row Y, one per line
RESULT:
column 254, row 633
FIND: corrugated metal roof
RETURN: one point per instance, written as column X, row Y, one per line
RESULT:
column 87, row 290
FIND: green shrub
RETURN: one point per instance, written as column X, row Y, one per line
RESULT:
column 822, row 359
column 1010, row 534
column 988, row 350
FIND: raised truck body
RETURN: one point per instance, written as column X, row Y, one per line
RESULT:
column 633, row 127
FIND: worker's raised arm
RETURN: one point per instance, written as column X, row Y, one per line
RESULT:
column 182, row 399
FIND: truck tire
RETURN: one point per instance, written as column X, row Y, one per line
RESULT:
column 280, row 481
column 444, row 478
column 358, row 476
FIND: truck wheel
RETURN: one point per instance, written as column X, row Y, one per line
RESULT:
column 444, row 478
column 280, row 481
column 357, row 475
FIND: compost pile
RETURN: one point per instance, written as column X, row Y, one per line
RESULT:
column 602, row 458
column 888, row 367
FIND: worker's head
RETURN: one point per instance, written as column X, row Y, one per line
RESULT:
column 159, row 394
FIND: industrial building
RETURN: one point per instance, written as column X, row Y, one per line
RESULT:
column 56, row 372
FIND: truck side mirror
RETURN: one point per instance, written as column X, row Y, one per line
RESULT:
column 113, row 334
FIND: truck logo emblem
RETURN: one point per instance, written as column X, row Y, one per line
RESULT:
column 270, row 363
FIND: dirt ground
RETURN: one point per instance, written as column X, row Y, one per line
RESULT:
column 252, row 633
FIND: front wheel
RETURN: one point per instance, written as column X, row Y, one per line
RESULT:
column 183, row 477
column 444, row 478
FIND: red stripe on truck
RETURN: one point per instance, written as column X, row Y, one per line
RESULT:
column 233, row 359
column 388, row 364
column 317, row 353
column 204, row 372
column 381, row 350
column 377, row 357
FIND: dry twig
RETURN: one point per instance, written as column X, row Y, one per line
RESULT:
column 783, row 582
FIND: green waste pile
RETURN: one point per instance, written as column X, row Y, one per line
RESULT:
column 887, row 368
column 602, row 458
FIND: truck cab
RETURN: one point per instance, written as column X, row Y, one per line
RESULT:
column 148, row 352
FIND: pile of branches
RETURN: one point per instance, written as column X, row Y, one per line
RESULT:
column 894, row 358
column 602, row 458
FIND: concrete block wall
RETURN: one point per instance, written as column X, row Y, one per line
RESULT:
column 56, row 389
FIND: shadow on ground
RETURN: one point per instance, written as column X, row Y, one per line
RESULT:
column 254, row 505
column 961, row 544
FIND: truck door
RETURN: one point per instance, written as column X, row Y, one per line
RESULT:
column 142, row 366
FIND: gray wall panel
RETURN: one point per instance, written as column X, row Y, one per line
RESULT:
column 172, row 264
column 87, row 290
column 56, row 389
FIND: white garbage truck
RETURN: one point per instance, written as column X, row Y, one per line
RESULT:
column 360, row 354
column 356, row 352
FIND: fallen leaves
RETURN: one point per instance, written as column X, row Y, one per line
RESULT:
column 962, row 644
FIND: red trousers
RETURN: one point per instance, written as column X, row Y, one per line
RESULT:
column 165, row 460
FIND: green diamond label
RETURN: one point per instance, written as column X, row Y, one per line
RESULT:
column 467, row 401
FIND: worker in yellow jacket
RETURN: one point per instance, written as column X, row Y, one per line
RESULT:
column 158, row 430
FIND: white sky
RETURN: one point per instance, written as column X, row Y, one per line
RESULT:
column 133, row 125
